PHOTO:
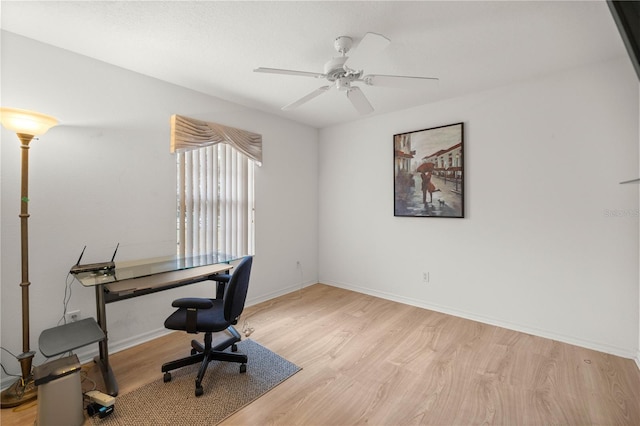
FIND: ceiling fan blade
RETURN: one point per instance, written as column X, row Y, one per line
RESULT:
column 395, row 80
column 369, row 47
column 289, row 72
column 359, row 100
column 372, row 43
column 319, row 91
column 631, row 181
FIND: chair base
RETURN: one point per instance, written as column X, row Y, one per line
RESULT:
column 207, row 353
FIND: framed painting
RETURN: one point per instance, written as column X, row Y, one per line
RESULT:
column 428, row 172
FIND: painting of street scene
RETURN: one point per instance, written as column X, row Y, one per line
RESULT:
column 429, row 172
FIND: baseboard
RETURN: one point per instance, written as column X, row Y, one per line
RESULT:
column 637, row 359
column 597, row 346
column 86, row 356
column 273, row 295
column 117, row 346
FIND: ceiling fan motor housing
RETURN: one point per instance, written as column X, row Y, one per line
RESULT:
column 334, row 68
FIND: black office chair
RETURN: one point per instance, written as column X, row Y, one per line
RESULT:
column 210, row 316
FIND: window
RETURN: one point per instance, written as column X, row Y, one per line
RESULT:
column 215, row 186
column 215, row 201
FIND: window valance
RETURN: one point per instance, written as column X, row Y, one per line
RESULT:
column 189, row 133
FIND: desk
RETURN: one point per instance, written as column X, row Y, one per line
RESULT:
column 138, row 278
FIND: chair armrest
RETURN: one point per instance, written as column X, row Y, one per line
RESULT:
column 221, row 278
column 192, row 303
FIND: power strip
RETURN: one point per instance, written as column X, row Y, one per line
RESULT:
column 101, row 398
column 102, row 412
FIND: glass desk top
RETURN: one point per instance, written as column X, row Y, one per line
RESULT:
column 142, row 268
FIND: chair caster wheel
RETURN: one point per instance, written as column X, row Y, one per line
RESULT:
column 243, row 368
column 167, row 377
column 199, row 391
column 234, row 348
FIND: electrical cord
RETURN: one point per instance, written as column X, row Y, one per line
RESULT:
column 246, row 328
column 299, row 290
column 9, row 352
column 4, row 369
column 84, row 374
column 67, row 298
column 301, row 279
column 7, row 373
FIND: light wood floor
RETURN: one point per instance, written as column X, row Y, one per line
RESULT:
column 370, row 361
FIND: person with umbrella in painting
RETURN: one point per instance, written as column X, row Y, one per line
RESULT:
column 425, row 170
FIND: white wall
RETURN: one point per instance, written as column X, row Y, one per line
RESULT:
column 549, row 244
column 105, row 175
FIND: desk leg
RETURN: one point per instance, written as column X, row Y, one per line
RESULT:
column 102, row 360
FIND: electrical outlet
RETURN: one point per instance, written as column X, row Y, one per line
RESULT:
column 72, row 316
column 425, row 277
column 297, row 263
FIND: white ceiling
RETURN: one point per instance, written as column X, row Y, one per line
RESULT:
column 214, row 46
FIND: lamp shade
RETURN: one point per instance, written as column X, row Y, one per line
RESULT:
column 26, row 122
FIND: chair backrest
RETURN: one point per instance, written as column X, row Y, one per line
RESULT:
column 237, row 288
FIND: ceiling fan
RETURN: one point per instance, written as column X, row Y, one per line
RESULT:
column 342, row 77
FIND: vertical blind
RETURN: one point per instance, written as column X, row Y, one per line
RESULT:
column 215, row 201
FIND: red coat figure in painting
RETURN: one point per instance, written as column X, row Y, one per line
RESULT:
column 427, row 186
column 425, row 170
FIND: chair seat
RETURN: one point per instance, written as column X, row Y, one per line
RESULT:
column 208, row 320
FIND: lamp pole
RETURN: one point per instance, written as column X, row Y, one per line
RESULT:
column 26, row 124
column 26, row 357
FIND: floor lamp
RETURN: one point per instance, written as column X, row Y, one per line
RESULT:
column 27, row 125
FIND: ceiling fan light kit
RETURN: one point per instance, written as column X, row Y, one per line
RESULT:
column 342, row 77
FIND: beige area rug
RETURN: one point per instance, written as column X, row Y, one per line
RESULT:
column 225, row 391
